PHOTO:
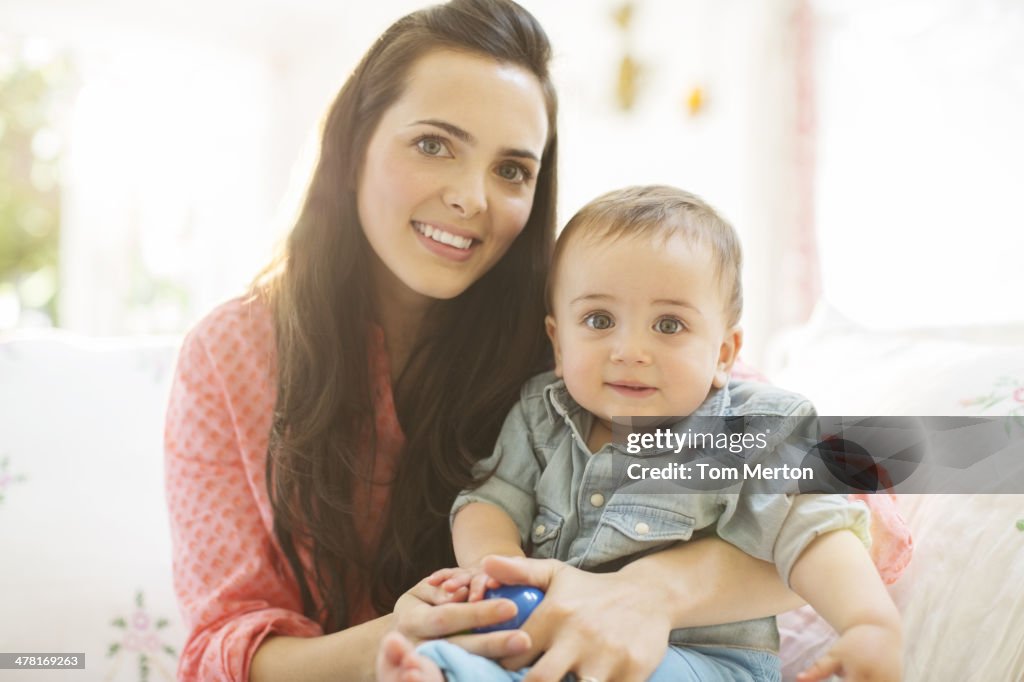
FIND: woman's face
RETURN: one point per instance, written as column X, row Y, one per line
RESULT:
column 449, row 175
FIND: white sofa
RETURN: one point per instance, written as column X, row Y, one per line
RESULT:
column 85, row 554
column 962, row 596
column 85, row 562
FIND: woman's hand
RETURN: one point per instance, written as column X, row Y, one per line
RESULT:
column 429, row 611
column 596, row 625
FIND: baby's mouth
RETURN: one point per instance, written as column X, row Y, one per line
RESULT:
column 632, row 389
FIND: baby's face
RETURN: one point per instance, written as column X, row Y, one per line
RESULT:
column 639, row 326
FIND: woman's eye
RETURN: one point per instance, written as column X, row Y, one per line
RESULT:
column 598, row 321
column 513, row 172
column 668, row 325
column 431, row 146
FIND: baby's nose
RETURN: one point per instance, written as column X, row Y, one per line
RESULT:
column 631, row 348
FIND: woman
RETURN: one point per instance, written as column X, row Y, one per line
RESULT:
column 319, row 429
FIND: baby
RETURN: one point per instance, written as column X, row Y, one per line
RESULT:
column 644, row 300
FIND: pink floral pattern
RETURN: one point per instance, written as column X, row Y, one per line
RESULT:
column 1009, row 390
column 140, row 641
column 1005, row 398
column 8, row 479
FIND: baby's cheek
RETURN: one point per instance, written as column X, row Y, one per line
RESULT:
column 697, row 391
column 577, row 371
column 585, row 388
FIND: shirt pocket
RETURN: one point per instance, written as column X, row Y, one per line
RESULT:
column 545, row 533
column 632, row 530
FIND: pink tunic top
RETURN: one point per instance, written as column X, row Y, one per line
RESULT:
column 233, row 582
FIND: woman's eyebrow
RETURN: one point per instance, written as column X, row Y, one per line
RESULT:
column 467, row 137
column 452, row 129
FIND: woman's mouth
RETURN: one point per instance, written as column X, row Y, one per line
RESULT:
column 441, row 242
column 442, row 236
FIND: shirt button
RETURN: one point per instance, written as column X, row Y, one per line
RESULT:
column 642, row 528
column 539, row 530
column 597, row 499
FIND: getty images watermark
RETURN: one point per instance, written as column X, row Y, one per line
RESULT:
column 820, row 454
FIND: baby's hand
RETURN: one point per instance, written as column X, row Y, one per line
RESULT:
column 864, row 652
column 455, row 580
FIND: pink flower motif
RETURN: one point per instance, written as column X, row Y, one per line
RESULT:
column 133, row 642
column 1018, row 395
column 140, row 621
column 4, row 480
column 141, row 643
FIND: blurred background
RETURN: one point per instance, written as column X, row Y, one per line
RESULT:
column 152, row 153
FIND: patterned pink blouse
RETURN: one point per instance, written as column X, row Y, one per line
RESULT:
column 233, row 582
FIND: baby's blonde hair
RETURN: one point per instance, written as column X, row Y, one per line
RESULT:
column 659, row 211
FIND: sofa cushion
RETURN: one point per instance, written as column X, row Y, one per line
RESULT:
column 83, row 522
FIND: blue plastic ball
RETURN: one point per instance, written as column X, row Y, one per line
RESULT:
column 526, row 599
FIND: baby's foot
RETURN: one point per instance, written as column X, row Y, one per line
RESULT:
column 397, row 661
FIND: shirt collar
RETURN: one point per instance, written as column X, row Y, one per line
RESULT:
column 557, row 401
column 560, row 405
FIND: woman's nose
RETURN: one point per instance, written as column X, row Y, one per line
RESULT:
column 466, row 194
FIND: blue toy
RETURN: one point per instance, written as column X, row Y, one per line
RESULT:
column 526, row 599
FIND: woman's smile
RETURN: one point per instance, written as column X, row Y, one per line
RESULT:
column 446, row 241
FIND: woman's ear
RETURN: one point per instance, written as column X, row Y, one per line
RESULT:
column 730, row 348
column 551, row 327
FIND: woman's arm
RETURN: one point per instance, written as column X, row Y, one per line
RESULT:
column 615, row 625
column 345, row 655
column 421, row 613
column 709, row 582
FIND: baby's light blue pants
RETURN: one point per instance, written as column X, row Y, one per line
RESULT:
column 690, row 664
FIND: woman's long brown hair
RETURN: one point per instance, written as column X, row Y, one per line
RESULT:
column 465, row 371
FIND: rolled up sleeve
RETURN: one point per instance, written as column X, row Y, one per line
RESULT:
column 509, row 475
column 811, row 516
column 778, row 527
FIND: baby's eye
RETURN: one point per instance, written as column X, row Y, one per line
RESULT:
column 598, row 321
column 669, row 325
column 432, row 146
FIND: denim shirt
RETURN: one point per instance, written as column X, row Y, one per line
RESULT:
column 566, row 503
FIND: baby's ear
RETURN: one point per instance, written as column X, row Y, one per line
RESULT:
column 731, row 344
column 551, row 327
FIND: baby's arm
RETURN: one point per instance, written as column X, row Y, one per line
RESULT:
column 492, row 517
column 835, row 575
column 479, row 530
